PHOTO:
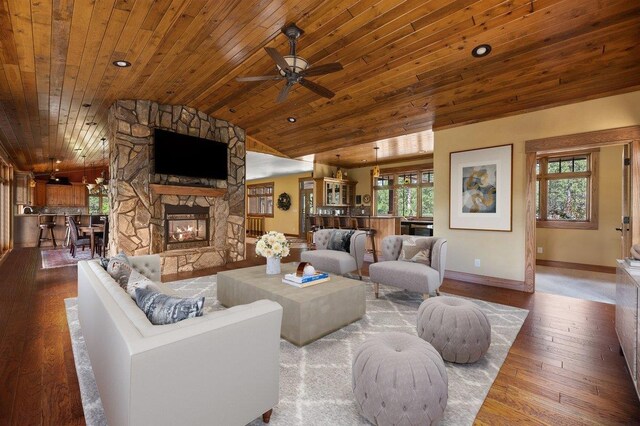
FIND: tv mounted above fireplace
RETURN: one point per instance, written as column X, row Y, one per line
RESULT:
column 189, row 156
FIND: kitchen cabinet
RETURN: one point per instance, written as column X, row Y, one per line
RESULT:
column 79, row 195
column 335, row 192
column 40, row 194
column 627, row 318
column 23, row 190
column 74, row 195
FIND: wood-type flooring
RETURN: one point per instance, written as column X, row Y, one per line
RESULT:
column 563, row 368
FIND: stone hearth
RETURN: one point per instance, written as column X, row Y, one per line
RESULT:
column 137, row 215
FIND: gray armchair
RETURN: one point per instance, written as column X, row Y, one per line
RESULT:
column 335, row 261
column 409, row 275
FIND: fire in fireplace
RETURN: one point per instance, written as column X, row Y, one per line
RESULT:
column 186, row 227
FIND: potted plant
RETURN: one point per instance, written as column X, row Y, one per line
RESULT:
column 274, row 246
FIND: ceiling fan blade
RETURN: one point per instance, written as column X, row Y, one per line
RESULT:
column 277, row 57
column 260, row 78
column 284, row 93
column 322, row 69
column 322, row 91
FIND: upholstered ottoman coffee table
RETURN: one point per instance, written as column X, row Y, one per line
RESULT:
column 399, row 378
column 308, row 313
column 457, row 328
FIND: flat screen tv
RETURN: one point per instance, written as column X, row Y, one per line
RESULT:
column 189, row 156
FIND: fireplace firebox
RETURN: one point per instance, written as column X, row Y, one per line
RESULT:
column 186, row 227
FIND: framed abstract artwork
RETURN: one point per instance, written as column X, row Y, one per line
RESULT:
column 480, row 185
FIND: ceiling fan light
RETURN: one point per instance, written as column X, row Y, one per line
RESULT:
column 296, row 63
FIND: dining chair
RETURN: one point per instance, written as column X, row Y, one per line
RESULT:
column 75, row 240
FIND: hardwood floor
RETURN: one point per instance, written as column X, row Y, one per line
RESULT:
column 564, row 367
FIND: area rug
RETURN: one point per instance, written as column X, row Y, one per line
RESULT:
column 60, row 257
column 315, row 380
column 586, row 285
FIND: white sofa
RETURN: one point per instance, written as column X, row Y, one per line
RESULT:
column 219, row 369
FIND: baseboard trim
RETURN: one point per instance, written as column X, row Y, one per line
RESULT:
column 4, row 256
column 579, row 266
column 485, row 280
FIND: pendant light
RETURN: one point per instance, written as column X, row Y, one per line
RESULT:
column 338, row 172
column 90, row 186
column 376, row 168
column 84, row 169
column 100, row 179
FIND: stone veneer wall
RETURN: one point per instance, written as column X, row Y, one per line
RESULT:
column 137, row 213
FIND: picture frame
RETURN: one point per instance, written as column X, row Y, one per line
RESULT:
column 481, row 189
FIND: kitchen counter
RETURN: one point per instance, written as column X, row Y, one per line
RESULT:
column 26, row 230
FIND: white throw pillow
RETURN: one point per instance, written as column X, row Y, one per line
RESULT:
column 415, row 250
column 137, row 280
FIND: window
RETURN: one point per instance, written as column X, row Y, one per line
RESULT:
column 566, row 195
column 260, row 199
column 99, row 200
column 406, row 193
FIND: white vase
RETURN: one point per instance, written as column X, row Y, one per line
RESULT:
column 273, row 265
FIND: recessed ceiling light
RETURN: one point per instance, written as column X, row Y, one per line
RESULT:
column 481, row 50
column 86, row 105
column 363, row 161
column 291, row 119
column 57, row 170
column 58, row 161
column 232, row 110
column 122, row 63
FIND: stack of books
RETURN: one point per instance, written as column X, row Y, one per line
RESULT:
column 305, row 281
column 633, row 263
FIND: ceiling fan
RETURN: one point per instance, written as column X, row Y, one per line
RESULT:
column 295, row 69
column 53, row 178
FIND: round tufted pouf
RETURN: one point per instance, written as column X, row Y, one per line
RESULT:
column 399, row 379
column 457, row 328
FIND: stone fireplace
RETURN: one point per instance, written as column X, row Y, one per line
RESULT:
column 193, row 223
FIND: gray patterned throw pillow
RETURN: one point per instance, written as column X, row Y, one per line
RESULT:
column 162, row 309
column 340, row 240
column 120, row 269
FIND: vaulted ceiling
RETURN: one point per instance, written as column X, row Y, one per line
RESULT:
column 407, row 66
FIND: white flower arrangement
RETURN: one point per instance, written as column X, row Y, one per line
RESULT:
column 272, row 244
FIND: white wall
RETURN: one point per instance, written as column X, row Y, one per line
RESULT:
column 502, row 254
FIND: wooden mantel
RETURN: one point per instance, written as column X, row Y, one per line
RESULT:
column 187, row 190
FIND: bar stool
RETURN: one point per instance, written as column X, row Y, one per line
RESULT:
column 46, row 222
column 371, row 234
column 67, row 232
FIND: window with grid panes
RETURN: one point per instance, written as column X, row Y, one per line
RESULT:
column 566, row 196
column 404, row 193
column 260, row 199
column 99, row 200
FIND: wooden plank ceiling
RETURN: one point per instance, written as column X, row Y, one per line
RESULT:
column 407, row 66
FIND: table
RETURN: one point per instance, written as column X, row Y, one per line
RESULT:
column 92, row 231
column 308, row 313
